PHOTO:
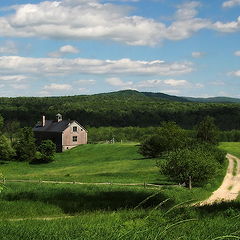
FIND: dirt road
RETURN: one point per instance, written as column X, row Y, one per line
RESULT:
column 230, row 187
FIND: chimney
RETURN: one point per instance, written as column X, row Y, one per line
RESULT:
column 59, row 117
column 43, row 121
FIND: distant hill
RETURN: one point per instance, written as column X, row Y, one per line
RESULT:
column 214, row 100
column 163, row 96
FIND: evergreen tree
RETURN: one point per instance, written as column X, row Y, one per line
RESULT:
column 207, row 131
column 6, row 151
column 25, row 145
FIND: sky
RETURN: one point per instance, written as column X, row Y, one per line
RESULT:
column 76, row 47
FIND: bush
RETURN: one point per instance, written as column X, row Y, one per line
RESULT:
column 46, row 152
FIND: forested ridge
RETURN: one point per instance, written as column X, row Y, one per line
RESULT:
column 120, row 109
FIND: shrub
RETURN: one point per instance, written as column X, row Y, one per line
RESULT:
column 169, row 138
column 46, row 152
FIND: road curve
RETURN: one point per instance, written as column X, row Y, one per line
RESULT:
column 230, row 187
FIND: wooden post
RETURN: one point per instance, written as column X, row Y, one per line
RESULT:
column 190, row 183
column 4, row 180
column 144, row 185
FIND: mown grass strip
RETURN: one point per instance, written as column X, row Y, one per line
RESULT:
column 235, row 167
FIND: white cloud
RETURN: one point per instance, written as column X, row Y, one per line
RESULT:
column 173, row 82
column 86, row 81
column 57, row 87
column 64, row 50
column 159, row 83
column 228, row 27
column 60, row 66
column 13, row 78
column 81, row 19
column 231, row 3
column 237, row 53
column 117, row 82
column 9, row 47
column 198, row 54
column 2, row 85
column 235, row 74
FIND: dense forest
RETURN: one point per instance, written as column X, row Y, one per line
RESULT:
column 120, row 109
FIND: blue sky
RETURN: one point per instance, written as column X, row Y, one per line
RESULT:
column 74, row 47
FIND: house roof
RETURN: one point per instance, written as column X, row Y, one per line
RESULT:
column 52, row 126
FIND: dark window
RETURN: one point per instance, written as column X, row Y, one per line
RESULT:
column 74, row 129
column 74, row 138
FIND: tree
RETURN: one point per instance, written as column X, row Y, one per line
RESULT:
column 6, row 151
column 169, row 138
column 25, row 145
column 207, row 131
column 11, row 128
column 1, row 122
column 47, row 150
column 189, row 166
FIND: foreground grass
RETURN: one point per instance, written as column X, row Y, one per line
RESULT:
column 108, row 212
column 91, row 163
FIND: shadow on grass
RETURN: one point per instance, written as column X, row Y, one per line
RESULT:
column 226, row 208
column 74, row 202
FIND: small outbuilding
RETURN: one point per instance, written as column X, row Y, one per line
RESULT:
column 66, row 134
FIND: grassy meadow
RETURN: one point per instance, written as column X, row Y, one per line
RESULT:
column 119, row 163
column 39, row 211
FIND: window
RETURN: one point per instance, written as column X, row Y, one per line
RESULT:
column 74, row 129
column 74, row 138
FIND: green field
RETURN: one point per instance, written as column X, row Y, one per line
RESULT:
column 108, row 211
column 231, row 147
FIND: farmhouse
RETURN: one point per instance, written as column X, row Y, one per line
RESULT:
column 66, row 134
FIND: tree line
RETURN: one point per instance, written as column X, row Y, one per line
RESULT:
column 119, row 110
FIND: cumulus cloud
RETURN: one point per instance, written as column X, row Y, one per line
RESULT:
column 231, row 3
column 64, row 50
column 60, row 66
column 9, row 47
column 57, row 87
column 82, row 19
column 198, row 54
column 237, row 53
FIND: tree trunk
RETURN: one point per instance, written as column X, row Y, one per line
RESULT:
column 190, row 183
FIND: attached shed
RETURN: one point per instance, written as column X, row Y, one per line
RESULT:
column 66, row 134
